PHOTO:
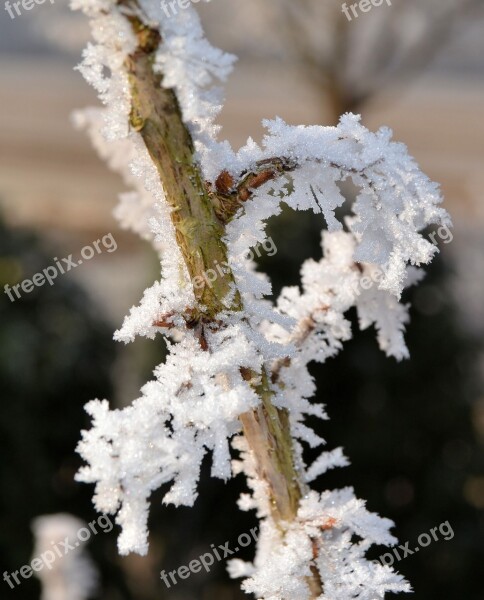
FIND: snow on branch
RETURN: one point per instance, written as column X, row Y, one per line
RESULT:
column 396, row 202
column 237, row 368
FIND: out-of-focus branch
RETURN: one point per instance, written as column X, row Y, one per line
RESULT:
column 422, row 53
column 389, row 61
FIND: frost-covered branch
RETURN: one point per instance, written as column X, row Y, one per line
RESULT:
column 237, row 369
column 156, row 115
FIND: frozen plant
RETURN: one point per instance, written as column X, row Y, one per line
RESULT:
column 236, row 382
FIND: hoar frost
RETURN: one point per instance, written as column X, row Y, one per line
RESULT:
column 192, row 406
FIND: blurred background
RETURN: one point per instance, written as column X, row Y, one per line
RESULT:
column 414, row 431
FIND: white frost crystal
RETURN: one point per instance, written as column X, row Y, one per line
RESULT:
column 194, row 402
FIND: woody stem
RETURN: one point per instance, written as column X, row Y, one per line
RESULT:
column 156, row 115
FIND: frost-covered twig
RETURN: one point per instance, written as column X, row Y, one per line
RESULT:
column 237, row 367
column 156, row 115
